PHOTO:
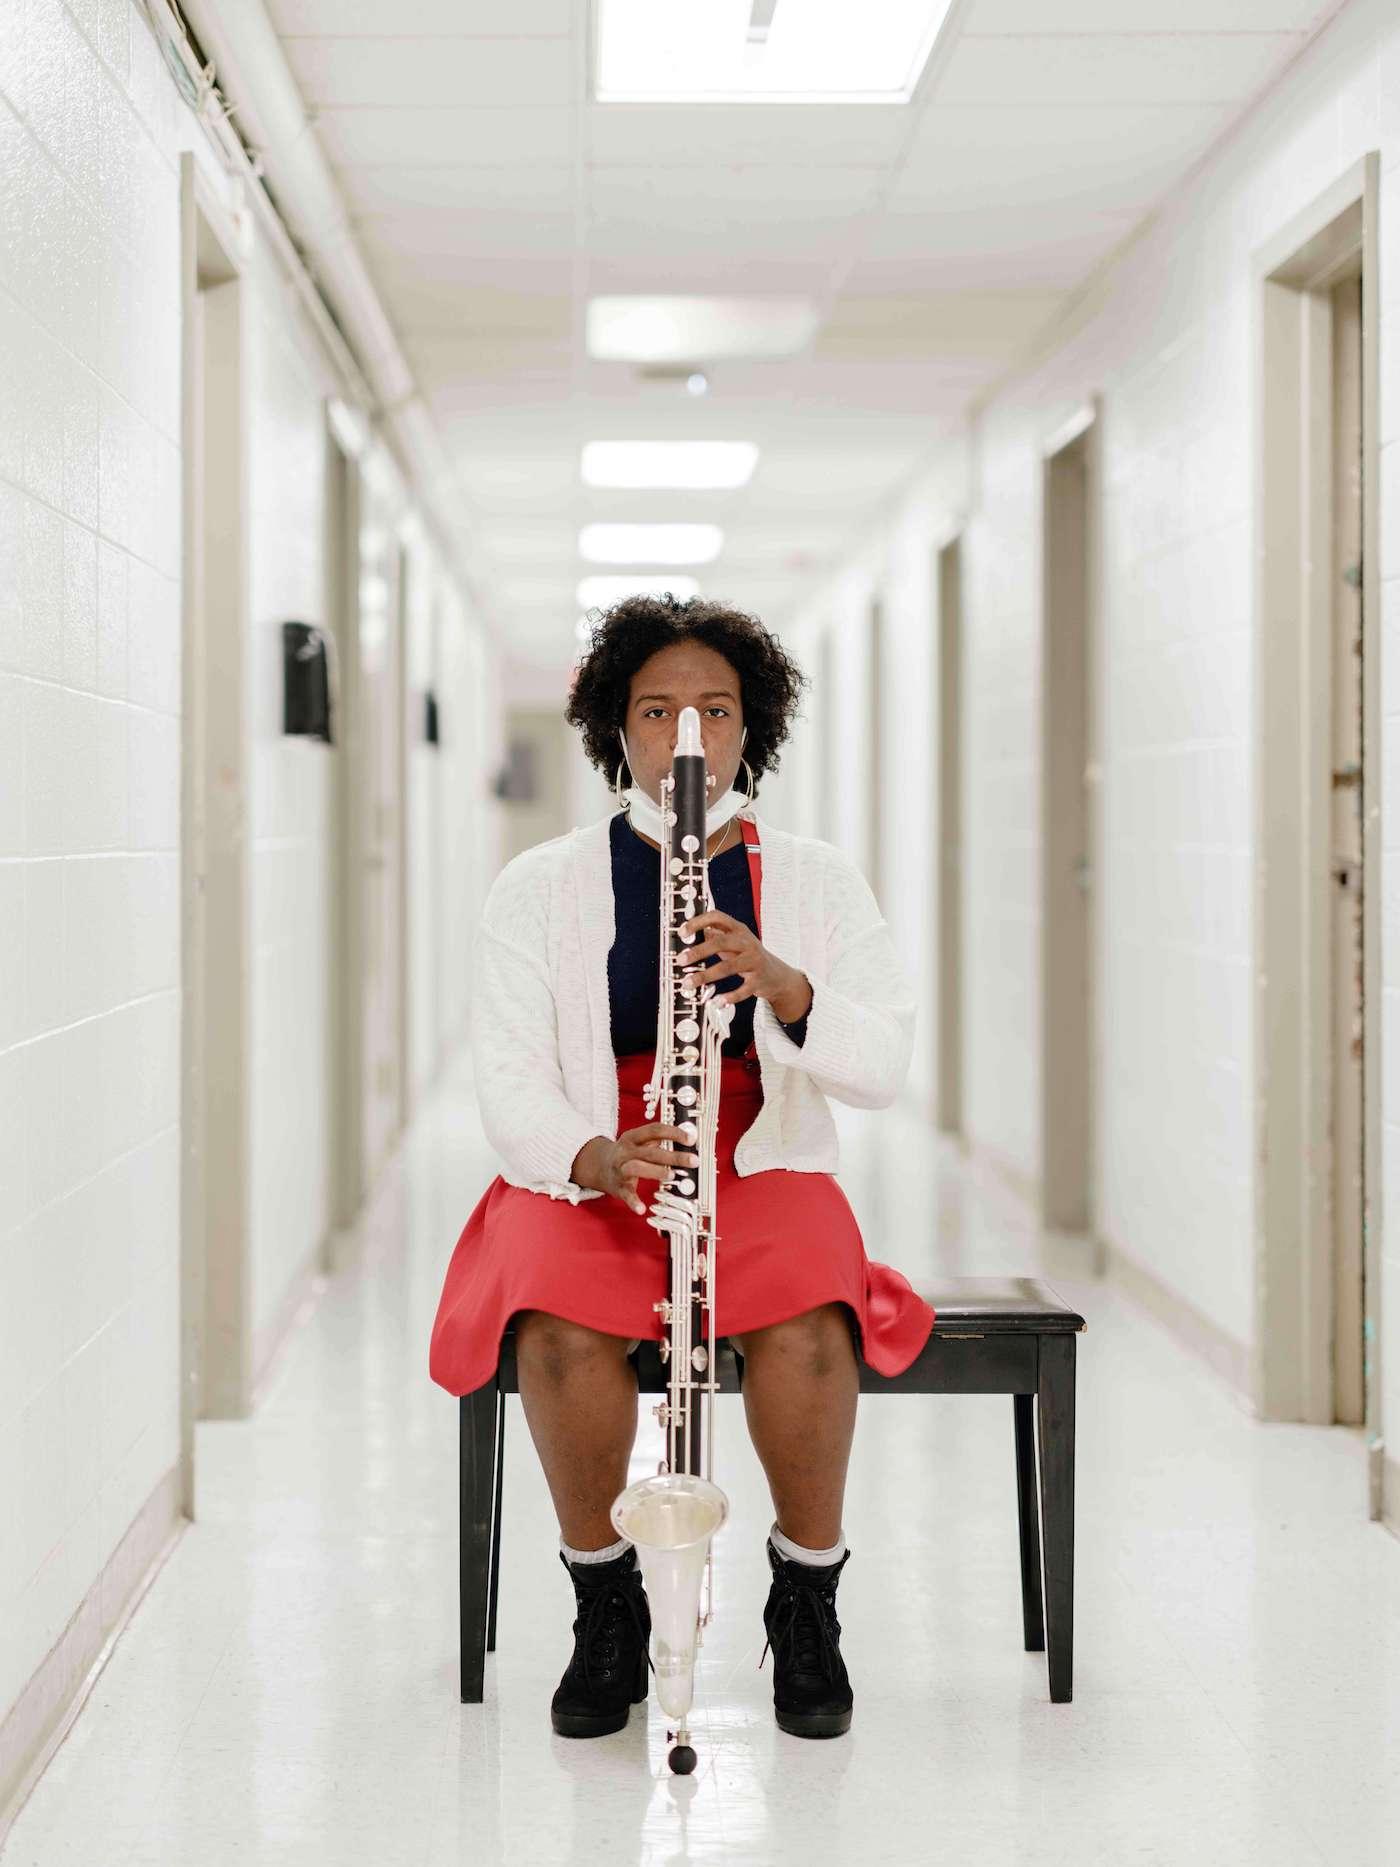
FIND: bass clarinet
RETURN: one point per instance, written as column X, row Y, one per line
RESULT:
column 673, row 1517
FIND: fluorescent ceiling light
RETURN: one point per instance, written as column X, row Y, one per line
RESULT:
column 665, row 466
column 697, row 330
column 603, row 592
column 650, row 544
column 750, row 51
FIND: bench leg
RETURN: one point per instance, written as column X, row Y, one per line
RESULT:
column 1055, row 1419
column 477, row 1483
column 1028, row 1519
column 496, row 1522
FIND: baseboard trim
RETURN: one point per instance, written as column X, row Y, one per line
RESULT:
column 1215, row 1346
column 43, row 1714
column 1390, row 1494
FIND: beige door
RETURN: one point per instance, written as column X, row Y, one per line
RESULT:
column 345, row 1060
column 382, row 591
column 874, row 740
column 1348, row 876
column 215, row 1296
column 828, row 738
column 1067, row 838
column 947, row 871
column 1317, row 1340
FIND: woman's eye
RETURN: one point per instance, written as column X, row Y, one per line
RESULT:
column 722, row 711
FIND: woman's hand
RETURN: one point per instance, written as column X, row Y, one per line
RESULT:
column 616, row 1166
column 762, row 974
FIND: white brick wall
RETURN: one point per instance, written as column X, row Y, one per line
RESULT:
column 91, row 131
column 89, row 794
column 1167, row 338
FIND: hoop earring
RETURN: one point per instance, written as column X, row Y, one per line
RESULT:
column 752, row 787
column 617, row 784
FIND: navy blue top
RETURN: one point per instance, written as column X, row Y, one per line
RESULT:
column 634, row 961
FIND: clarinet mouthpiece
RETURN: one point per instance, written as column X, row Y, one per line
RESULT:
column 688, row 734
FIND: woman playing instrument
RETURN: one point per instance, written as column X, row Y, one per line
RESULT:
column 565, row 1006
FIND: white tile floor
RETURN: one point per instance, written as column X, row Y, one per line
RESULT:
column 286, row 1693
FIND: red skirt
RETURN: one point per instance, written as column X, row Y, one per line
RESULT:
column 787, row 1242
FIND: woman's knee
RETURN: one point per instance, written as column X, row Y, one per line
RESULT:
column 818, row 1341
column 559, row 1350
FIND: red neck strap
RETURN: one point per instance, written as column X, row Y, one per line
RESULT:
column 749, row 830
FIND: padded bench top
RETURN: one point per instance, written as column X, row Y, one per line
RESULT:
column 984, row 1304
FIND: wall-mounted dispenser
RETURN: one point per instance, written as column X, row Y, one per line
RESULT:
column 308, row 666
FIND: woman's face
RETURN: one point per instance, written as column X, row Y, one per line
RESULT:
column 687, row 674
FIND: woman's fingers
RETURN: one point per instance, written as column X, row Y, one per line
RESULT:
column 652, row 1131
column 638, row 1169
column 721, row 942
column 663, row 1156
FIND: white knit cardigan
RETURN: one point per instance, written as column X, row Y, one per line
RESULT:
column 546, row 1075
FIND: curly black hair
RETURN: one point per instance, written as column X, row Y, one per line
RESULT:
column 622, row 638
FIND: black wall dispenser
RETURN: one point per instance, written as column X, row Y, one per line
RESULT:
column 307, row 681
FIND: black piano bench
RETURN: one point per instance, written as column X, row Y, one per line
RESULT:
column 992, row 1335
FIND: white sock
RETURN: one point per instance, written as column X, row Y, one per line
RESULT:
column 610, row 1554
column 814, row 1558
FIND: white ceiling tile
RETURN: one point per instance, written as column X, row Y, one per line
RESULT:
column 388, row 189
column 445, row 241
column 552, row 546
column 372, row 18
column 934, row 325
column 483, row 294
column 944, row 252
column 694, row 136
column 722, row 238
column 1114, row 69
column 730, row 189
column 717, row 271
column 433, row 74
column 978, row 146
column 787, row 480
column 481, row 138
column 1124, row 16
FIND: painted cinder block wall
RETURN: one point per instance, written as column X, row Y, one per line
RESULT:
column 89, row 805
column 91, row 133
column 1165, row 335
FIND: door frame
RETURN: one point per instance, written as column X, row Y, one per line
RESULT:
column 1291, row 1361
column 946, row 874
column 347, row 437
column 875, row 668
column 1067, row 1193
column 216, row 1320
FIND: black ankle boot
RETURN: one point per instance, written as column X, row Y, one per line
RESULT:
column 608, row 1672
column 811, row 1692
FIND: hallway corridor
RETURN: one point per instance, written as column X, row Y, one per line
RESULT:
column 286, row 1691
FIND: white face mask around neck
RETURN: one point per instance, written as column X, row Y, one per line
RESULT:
column 645, row 815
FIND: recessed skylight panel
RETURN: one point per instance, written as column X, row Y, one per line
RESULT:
column 641, row 329
column 764, row 51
